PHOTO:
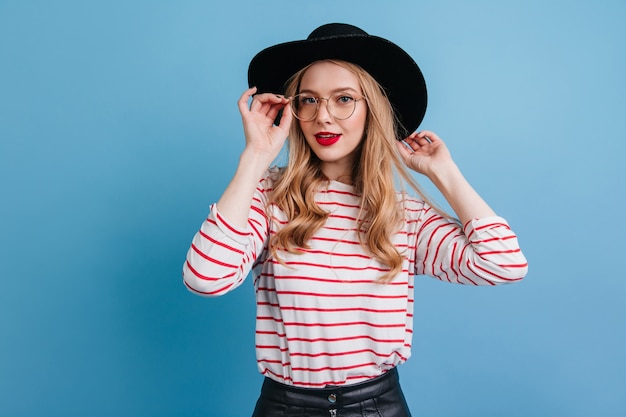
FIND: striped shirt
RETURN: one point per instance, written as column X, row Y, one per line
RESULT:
column 322, row 319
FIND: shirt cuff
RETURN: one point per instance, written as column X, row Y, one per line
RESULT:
column 239, row 235
column 476, row 227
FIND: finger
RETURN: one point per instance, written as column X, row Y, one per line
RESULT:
column 411, row 137
column 405, row 153
column 425, row 141
column 259, row 106
column 256, row 104
column 414, row 143
column 270, row 98
column 287, row 117
column 262, row 103
column 245, row 97
column 429, row 135
column 272, row 111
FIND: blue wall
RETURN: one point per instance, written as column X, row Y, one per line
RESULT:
column 119, row 126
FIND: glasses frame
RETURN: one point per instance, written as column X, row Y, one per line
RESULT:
column 317, row 105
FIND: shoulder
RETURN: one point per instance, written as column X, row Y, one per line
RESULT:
column 413, row 207
column 270, row 178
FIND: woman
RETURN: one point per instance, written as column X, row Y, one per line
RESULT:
column 331, row 244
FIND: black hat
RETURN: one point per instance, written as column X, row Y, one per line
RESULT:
column 389, row 64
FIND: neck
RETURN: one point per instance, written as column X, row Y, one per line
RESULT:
column 346, row 179
column 341, row 172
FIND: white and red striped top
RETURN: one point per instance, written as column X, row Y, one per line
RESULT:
column 321, row 317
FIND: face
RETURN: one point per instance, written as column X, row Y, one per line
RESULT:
column 334, row 141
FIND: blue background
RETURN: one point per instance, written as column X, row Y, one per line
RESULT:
column 119, row 126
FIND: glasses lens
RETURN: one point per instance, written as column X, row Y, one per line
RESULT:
column 304, row 106
column 341, row 105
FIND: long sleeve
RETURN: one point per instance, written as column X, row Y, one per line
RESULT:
column 221, row 255
column 322, row 317
column 482, row 252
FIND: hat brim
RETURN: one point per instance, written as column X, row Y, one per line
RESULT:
column 389, row 64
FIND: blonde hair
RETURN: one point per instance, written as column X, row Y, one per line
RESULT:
column 375, row 170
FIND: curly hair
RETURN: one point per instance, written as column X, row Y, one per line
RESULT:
column 375, row 173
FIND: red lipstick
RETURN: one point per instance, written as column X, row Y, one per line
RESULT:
column 327, row 138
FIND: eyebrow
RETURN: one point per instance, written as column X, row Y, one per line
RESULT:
column 336, row 90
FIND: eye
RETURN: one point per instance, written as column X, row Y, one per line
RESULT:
column 344, row 99
column 307, row 100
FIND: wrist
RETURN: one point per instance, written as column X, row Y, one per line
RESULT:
column 444, row 175
column 254, row 161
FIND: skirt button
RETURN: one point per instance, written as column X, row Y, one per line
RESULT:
column 332, row 398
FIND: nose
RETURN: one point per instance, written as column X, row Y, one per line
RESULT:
column 323, row 115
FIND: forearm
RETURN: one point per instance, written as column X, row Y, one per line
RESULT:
column 234, row 204
column 263, row 143
column 460, row 195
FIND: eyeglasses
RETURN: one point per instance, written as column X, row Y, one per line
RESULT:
column 340, row 105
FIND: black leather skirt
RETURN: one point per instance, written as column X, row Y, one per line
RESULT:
column 378, row 397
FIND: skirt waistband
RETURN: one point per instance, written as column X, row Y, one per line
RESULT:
column 338, row 396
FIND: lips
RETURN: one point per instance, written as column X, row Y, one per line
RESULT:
column 327, row 138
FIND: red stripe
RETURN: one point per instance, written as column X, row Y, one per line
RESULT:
column 220, row 290
column 430, row 241
column 353, row 323
column 431, row 219
column 274, row 361
column 331, row 310
column 452, row 257
column 334, row 191
column 327, row 354
column 257, row 209
column 460, row 260
column 312, row 294
column 279, row 221
column 331, row 339
column 441, row 242
column 493, row 226
column 308, row 324
column 326, row 239
column 343, row 229
column 494, row 239
column 218, row 243
column 466, row 226
column 271, row 347
column 498, row 252
column 284, row 378
column 336, row 203
column 338, row 216
column 232, row 229
column 212, row 260
column 326, row 266
column 496, row 275
column 207, row 278
column 347, row 353
column 347, row 255
column 256, row 231
column 467, row 278
column 332, row 368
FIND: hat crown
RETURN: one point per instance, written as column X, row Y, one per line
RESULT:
column 394, row 69
column 332, row 30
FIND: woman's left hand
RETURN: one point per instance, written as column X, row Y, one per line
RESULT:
column 426, row 153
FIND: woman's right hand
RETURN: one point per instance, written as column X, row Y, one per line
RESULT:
column 263, row 138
